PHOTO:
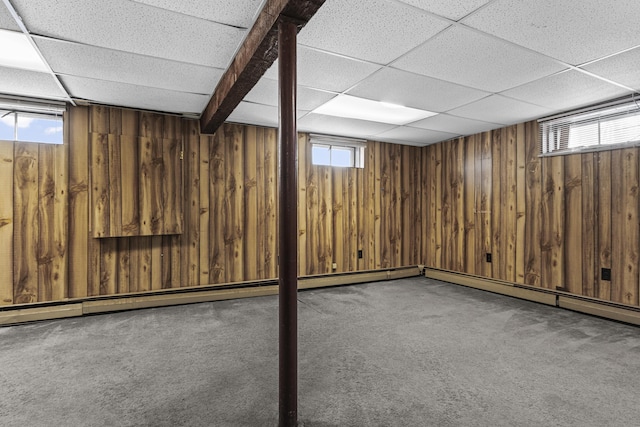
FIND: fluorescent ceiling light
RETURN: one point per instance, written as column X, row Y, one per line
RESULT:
column 374, row 111
column 17, row 52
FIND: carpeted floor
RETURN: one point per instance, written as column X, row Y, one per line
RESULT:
column 411, row 352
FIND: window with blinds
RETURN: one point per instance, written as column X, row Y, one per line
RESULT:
column 604, row 127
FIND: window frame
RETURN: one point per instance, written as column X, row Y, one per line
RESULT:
column 555, row 132
column 355, row 146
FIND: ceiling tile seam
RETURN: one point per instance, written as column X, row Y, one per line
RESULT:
column 341, row 55
column 27, row 34
column 390, row 67
column 484, row 6
column 593, row 61
column 143, row 55
column 604, row 79
column 84, row 101
column 390, row 63
column 426, row 12
column 133, row 84
column 331, row 92
column 237, row 27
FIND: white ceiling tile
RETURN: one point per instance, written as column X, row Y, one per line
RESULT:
column 473, row 59
column 622, row 68
column 266, row 92
column 413, row 136
column 258, row 114
column 499, row 109
column 452, row 9
column 117, row 24
column 255, row 114
column 566, row 90
column 126, row 95
column 413, row 90
column 331, row 125
column 379, row 31
column 106, row 64
column 320, row 70
column 6, row 20
column 29, row 83
column 453, row 124
column 240, row 13
column 574, row 31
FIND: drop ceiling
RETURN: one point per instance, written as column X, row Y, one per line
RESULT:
column 479, row 64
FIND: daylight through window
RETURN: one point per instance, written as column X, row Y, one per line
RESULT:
column 31, row 122
column 603, row 127
column 339, row 152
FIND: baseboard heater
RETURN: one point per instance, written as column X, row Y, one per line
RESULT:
column 22, row 313
column 592, row 306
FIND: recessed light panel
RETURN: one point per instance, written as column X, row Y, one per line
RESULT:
column 374, row 111
column 17, row 52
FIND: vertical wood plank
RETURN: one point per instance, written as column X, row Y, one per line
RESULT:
column 469, row 205
column 437, row 193
column 45, row 219
column 351, row 253
column 250, row 203
column 108, row 266
column 60, row 285
column 479, row 213
column 457, row 206
column 313, row 220
column 114, row 174
column 6, row 222
column 78, row 126
column 406, row 205
column 432, row 205
column 589, row 224
column 521, row 219
column 100, row 184
column 190, row 255
column 217, row 216
column 271, row 211
column 156, row 262
column 385, row 207
column 325, row 221
column 204, row 242
column 486, row 204
column 370, row 220
column 573, row 268
column 498, row 270
column 124, row 265
column 533, row 202
column 338, row 227
column 303, row 149
column 509, row 218
column 396, row 201
column 146, row 176
column 129, row 185
column 604, row 221
column 26, row 228
column 234, row 208
column 172, row 191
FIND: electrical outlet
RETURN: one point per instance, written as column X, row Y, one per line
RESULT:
column 334, row 266
column 359, row 253
column 488, row 257
column 605, row 274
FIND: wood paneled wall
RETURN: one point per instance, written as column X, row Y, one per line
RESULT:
column 229, row 200
column 551, row 222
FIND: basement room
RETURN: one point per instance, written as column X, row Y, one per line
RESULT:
column 319, row 213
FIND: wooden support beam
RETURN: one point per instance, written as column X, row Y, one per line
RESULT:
column 258, row 51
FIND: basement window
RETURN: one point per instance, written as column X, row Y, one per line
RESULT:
column 613, row 125
column 28, row 121
column 338, row 152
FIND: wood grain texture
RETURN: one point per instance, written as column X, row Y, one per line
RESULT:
column 573, row 245
column 509, row 208
column 303, row 162
column 521, row 204
column 6, row 222
column 217, row 217
column 26, row 224
column 234, row 212
column 78, row 238
column 533, row 201
column 604, row 228
column 469, row 217
column 590, row 272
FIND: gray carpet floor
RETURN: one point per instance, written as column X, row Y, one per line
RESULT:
column 411, row 352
